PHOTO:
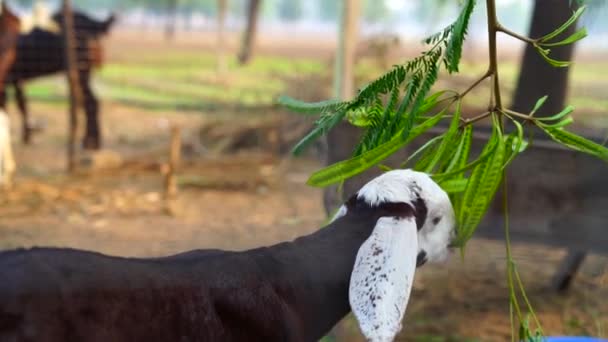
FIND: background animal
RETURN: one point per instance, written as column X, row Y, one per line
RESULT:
column 292, row 291
column 41, row 52
column 9, row 31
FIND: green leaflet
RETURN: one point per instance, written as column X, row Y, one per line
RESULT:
column 427, row 156
column 459, row 30
column 312, row 107
column 459, row 160
column 447, row 140
column 423, row 151
column 554, row 62
column 351, row 167
column 573, row 38
column 480, row 190
column 384, row 84
column 514, row 144
column 313, row 135
column 564, row 26
column 371, row 117
column 376, row 135
column 439, row 36
column 539, row 103
column 428, row 79
column 410, row 92
column 453, row 186
column 385, row 168
column 430, row 102
column 560, row 124
column 577, row 142
column 360, row 117
column 324, row 124
column 566, row 111
column 485, row 154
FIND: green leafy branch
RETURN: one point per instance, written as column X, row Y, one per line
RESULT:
column 396, row 108
column 544, row 44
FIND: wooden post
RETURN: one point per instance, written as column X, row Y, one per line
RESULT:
column 250, row 32
column 170, row 25
column 173, row 163
column 339, row 141
column 348, row 32
column 73, row 82
column 344, row 88
column 222, row 65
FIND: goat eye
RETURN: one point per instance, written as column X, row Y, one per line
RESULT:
column 436, row 220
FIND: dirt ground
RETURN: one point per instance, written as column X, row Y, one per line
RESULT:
column 252, row 198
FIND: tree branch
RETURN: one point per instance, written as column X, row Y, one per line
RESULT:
column 508, row 32
column 493, row 68
column 476, row 83
column 475, row 118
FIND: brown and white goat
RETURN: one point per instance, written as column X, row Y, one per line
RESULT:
column 292, row 291
column 9, row 31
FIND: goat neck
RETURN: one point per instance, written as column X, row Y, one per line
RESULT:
column 318, row 266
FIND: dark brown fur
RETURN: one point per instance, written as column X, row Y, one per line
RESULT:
column 40, row 53
column 9, row 31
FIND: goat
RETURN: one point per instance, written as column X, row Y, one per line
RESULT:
column 9, row 30
column 9, row 33
column 292, row 291
column 40, row 17
column 40, row 52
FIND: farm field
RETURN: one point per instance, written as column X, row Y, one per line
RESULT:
column 243, row 192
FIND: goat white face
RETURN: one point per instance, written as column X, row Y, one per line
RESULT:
column 384, row 269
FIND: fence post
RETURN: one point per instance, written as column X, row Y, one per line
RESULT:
column 173, row 164
column 72, row 75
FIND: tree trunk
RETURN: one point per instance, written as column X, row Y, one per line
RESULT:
column 222, row 64
column 250, row 32
column 342, row 139
column 73, row 82
column 344, row 80
column 537, row 78
column 171, row 20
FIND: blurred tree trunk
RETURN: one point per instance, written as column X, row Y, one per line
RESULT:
column 250, row 32
column 342, row 139
column 344, row 79
column 222, row 63
column 171, row 19
column 537, row 78
column 73, row 83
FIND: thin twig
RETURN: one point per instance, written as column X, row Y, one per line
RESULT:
column 476, row 83
column 506, row 31
column 522, row 290
column 476, row 118
column 510, row 263
column 517, row 114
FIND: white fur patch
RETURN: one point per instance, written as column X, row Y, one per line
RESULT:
column 7, row 161
column 383, row 274
column 404, row 186
column 382, row 278
column 341, row 212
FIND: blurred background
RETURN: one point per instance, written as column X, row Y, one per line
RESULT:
column 204, row 75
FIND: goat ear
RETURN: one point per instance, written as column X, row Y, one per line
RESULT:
column 382, row 277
